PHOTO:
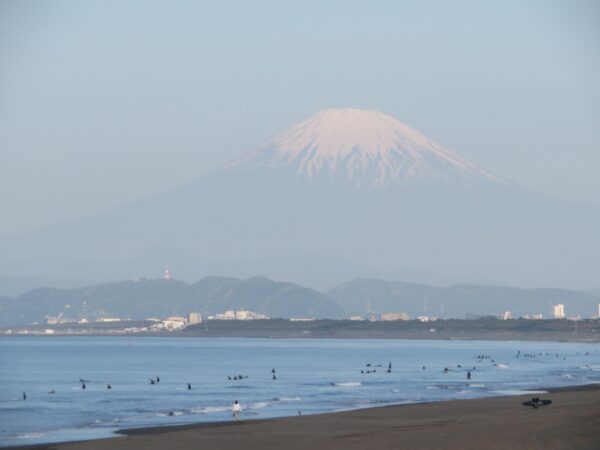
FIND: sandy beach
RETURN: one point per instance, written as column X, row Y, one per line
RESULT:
column 572, row 421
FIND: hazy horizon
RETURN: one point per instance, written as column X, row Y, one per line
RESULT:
column 104, row 102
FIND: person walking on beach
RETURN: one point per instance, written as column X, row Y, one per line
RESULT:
column 237, row 409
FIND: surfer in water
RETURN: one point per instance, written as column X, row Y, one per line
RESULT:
column 189, row 387
column 469, row 375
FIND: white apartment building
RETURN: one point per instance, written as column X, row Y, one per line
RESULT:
column 558, row 311
column 174, row 323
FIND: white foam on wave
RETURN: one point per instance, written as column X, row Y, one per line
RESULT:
column 517, row 392
column 501, row 366
column 287, row 399
column 477, row 385
column 31, row 435
column 210, row 409
column 257, row 405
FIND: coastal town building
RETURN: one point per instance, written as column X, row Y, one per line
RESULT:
column 392, row 316
column 558, row 311
column 238, row 315
column 249, row 315
column 194, row 318
column 227, row 315
column 174, row 323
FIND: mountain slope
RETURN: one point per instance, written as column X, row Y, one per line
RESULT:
column 161, row 298
column 318, row 207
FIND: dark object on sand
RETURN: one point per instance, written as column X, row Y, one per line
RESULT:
column 535, row 402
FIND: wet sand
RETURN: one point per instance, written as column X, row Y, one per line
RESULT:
column 572, row 421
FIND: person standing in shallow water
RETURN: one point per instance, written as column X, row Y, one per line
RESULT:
column 237, row 409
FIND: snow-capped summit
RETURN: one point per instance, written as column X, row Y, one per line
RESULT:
column 360, row 146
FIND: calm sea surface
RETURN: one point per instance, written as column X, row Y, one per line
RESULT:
column 313, row 376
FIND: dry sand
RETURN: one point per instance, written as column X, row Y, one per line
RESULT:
column 572, row 421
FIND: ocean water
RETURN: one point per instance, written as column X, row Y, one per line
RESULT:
column 313, row 376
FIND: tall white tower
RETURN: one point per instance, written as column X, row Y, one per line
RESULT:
column 167, row 273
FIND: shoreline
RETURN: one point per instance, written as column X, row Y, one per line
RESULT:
column 172, row 428
column 570, row 422
column 481, row 338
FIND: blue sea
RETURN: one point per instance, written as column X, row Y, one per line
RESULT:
column 312, row 376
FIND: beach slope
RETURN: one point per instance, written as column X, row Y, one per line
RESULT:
column 572, row 421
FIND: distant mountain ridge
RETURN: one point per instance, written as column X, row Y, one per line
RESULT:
column 364, row 296
column 161, row 298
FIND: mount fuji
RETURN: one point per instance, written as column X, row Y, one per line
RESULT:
column 360, row 147
column 345, row 193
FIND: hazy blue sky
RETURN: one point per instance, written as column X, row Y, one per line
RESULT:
column 104, row 102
